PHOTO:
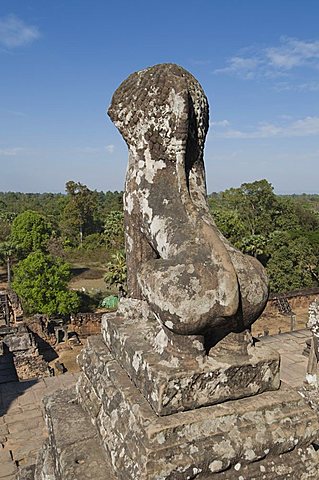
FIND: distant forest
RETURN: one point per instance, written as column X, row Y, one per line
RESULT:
column 282, row 231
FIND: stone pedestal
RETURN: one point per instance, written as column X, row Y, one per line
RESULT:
column 136, row 415
column 175, row 379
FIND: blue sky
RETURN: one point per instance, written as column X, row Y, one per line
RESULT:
column 60, row 62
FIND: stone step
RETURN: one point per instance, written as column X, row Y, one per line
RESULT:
column 73, row 446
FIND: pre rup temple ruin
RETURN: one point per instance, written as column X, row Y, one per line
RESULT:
column 175, row 388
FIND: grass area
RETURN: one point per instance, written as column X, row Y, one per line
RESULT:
column 88, row 269
column 89, row 278
column 87, row 258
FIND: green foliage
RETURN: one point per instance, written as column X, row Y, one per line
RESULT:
column 230, row 223
column 290, row 264
column 41, row 283
column 110, row 301
column 308, row 219
column 5, row 230
column 78, row 214
column 30, row 232
column 109, row 202
column 280, row 231
column 86, row 227
column 114, row 230
column 116, row 271
column 7, row 251
column 255, row 204
column 48, row 204
column 93, row 242
column 254, row 245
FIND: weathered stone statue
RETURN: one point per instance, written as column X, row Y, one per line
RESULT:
column 175, row 388
column 178, row 261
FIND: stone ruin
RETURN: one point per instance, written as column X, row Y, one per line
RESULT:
column 19, row 355
column 175, row 388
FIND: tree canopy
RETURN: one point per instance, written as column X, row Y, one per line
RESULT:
column 281, row 232
column 30, row 231
column 41, row 281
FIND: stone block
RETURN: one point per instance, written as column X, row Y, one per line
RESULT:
column 19, row 341
column 26, row 473
column 73, row 451
column 11, row 418
column 7, row 469
column 207, row 442
column 175, row 381
column 5, row 455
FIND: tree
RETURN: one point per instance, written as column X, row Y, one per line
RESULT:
column 30, row 232
column 5, row 227
column 41, row 281
column 78, row 214
column 291, row 263
column 114, row 230
column 280, row 231
column 255, row 204
column 7, row 251
column 117, row 271
column 230, row 224
column 254, row 245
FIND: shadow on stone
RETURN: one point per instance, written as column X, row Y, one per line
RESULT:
column 11, row 391
column 45, row 349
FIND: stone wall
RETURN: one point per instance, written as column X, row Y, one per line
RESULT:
column 297, row 299
column 86, row 324
column 20, row 343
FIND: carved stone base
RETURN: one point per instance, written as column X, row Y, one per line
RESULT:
column 174, row 380
column 262, row 437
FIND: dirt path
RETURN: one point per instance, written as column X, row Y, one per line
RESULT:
column 276, row 323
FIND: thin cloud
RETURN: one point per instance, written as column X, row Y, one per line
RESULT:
column 304, row 127
column 14, row 113
column 14, row 32
column 97, row 150
column 274, row 61
column 293, row 53
column 301, row 87
column 110, row 148
column 219, row 123
column 244, row 67
column 10, row 152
